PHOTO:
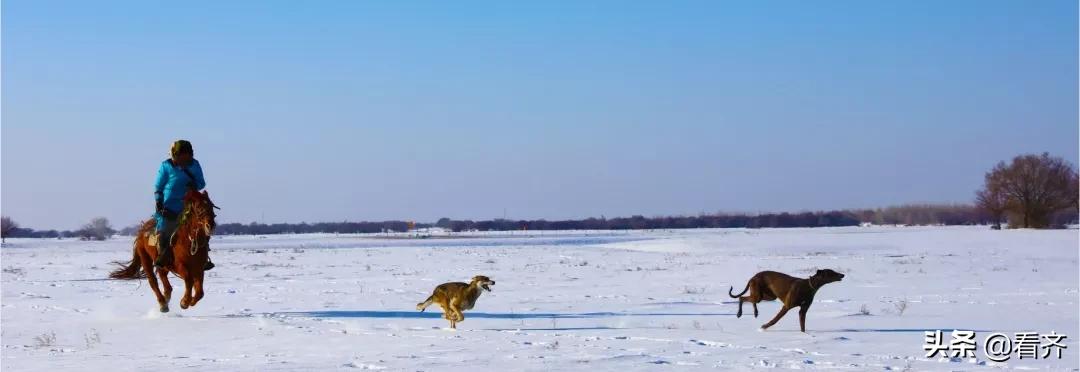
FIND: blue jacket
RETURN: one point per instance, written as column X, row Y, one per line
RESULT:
column 172, row 183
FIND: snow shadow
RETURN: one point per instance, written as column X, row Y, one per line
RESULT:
column 438, row 315
column 898, row 330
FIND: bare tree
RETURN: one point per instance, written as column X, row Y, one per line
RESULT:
column 1035, row 187
column 993, row 202
column 131, row 230
column 7, row 226
column 98, row 229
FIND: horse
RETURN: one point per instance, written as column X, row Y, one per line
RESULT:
column 189, row 245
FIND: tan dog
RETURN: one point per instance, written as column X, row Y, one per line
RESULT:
column 792, row 291
column 456, row 296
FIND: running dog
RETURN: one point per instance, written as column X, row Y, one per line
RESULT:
column 457, row 296
column 792, row 291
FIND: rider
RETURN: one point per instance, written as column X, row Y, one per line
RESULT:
column 176, row 175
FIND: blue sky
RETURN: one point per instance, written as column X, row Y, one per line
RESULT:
column 330, row 111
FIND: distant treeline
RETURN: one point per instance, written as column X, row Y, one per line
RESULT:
column 928, row 214
column 901, row 215
column 921, row 214
column 22, row 232
column 305, row 228
column 98, row 229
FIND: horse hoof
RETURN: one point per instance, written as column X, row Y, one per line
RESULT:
column 164, row 309
column 183, row 306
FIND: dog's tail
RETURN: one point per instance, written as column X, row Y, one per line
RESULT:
column 730, row 289
column 423, row 305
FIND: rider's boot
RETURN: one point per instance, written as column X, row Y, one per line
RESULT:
column 164, row 251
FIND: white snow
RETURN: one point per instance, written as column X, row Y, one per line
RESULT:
column 562, row 301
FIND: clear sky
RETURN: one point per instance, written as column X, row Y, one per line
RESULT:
column 364, row 110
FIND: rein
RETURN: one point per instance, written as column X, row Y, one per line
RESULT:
column 183, row 220
column 194, row 247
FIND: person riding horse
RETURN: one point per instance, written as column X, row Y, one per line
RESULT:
column 176, row 175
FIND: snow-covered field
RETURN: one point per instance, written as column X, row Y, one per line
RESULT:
column 562, row 301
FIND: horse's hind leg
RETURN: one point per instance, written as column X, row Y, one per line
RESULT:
column 148, row 268
column 163, row 273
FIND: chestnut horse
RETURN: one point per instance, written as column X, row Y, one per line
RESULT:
column 190, row 244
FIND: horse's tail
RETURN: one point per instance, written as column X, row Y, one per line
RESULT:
column 132, row 269
column 730, row 288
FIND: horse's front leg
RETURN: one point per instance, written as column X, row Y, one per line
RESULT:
column 198, row 288
column 186, row 300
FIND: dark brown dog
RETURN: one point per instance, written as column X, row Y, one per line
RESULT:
column 792, row 291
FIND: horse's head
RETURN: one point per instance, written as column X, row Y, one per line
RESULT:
column 199, row 211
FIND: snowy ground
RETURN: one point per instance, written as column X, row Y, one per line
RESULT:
column 562, row 301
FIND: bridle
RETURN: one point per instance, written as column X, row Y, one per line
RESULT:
column 208, row 223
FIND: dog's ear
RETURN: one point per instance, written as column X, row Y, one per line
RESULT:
column 819, row 272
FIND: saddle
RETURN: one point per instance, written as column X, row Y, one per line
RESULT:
column 152, row 237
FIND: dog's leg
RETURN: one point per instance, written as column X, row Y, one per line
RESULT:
column 802, row 317
column 753, row 299
column 452, row 312
column 455, row 309
column 753, row 302
column 449, row 316
column 775, row 319
column 446, row 312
